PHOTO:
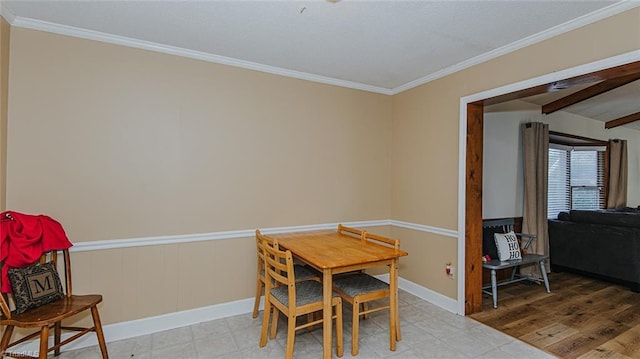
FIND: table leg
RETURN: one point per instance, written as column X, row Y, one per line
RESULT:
column 327, row 294
column 393, row 304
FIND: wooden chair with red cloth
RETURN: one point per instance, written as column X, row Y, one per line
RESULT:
column 29, row 282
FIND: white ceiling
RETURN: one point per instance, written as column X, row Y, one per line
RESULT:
column 376, row 45
column 380, row 46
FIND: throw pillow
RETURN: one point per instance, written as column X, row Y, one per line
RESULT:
column 35, row 285
column 508, row 246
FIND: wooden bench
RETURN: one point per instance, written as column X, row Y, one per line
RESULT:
column 504, row 226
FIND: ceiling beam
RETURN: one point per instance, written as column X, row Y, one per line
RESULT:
column 574, row 140
column 588, row 93
column 602, row 75
column 622, row 120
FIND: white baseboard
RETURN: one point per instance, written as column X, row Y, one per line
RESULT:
column 424, row 293
column 145, row 326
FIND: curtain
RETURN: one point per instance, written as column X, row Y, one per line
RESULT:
column 535, row 141
column 617, row 174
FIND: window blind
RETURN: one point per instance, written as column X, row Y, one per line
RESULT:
column 576, row 179
column 558, row 183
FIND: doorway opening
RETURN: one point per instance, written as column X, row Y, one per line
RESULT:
column 471, row 158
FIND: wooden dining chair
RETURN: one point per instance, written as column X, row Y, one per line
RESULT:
column 302, row 273
column 359, row 289
column 43, row 279
column 284, row 294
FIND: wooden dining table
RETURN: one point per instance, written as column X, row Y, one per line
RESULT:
column 331, row 252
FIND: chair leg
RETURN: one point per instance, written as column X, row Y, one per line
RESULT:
column 543, row 271
column 494, row 288
column 57, row 333
column 6, row 337
column 398, row 333
column 274, row 323
column 265, row 323
column 355, row 319
column 99, row 333
column 256, row 303
column 44, row 342
column 513, row 272
column 339, row 334
column 291, row 335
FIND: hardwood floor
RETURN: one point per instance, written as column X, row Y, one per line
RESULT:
column 581, row 317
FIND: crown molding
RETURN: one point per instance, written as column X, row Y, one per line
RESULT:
column 66, row 30
column 7, row 14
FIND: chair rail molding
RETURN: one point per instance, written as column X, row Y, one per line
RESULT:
column 244, row 233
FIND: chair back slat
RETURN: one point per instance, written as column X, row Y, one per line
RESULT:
column 505, row 224
column 262, row 241
column 4, row 306
column 67, row 273
column 353, row 232
column 260, row 249
column 279, row 264
column 381, row 240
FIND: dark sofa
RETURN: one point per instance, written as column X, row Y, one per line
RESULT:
column 604, row 244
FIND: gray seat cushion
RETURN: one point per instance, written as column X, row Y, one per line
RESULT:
column 302, row 273
column 306, row 292
column 358, row 284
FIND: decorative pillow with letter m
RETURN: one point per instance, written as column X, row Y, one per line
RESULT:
column 508, row 246
column 35, row 285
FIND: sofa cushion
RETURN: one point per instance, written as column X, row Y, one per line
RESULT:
column 606, row 217
column 564, row 216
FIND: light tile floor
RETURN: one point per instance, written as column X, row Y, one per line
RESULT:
column 427, row 332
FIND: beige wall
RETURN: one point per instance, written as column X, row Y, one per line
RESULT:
column 118, row 142
column 5, row 31
column 426, row 126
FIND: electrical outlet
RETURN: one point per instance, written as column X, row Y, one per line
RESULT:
column 449, row 270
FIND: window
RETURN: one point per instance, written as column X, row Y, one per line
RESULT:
column 576, row 178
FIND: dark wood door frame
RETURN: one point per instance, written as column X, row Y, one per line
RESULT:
column 473, row 160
